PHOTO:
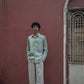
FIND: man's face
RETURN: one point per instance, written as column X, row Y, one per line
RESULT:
column 35, row 28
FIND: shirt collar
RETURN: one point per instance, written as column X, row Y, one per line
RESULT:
column 37, row 35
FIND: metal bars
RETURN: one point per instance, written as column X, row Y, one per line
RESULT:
column 76, row 36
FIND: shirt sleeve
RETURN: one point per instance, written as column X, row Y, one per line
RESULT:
column 45, row 48
column 28, row 48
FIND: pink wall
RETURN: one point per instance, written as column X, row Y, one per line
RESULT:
column 76, row 4
column 0, row 38
column 18, row 16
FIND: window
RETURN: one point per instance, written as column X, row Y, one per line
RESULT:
column 76, row 36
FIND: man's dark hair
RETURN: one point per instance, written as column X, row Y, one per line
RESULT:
column 35, row 23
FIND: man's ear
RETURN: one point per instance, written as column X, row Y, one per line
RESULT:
column 38, row 29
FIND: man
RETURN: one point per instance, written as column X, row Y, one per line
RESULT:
column 36, row 54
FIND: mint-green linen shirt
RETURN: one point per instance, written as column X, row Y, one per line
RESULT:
column 37, row 48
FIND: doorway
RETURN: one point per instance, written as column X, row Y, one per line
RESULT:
column 75, row 47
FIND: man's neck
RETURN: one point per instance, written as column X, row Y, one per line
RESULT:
column 35, row 34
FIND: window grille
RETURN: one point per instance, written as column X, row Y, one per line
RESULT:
column 76, row 36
